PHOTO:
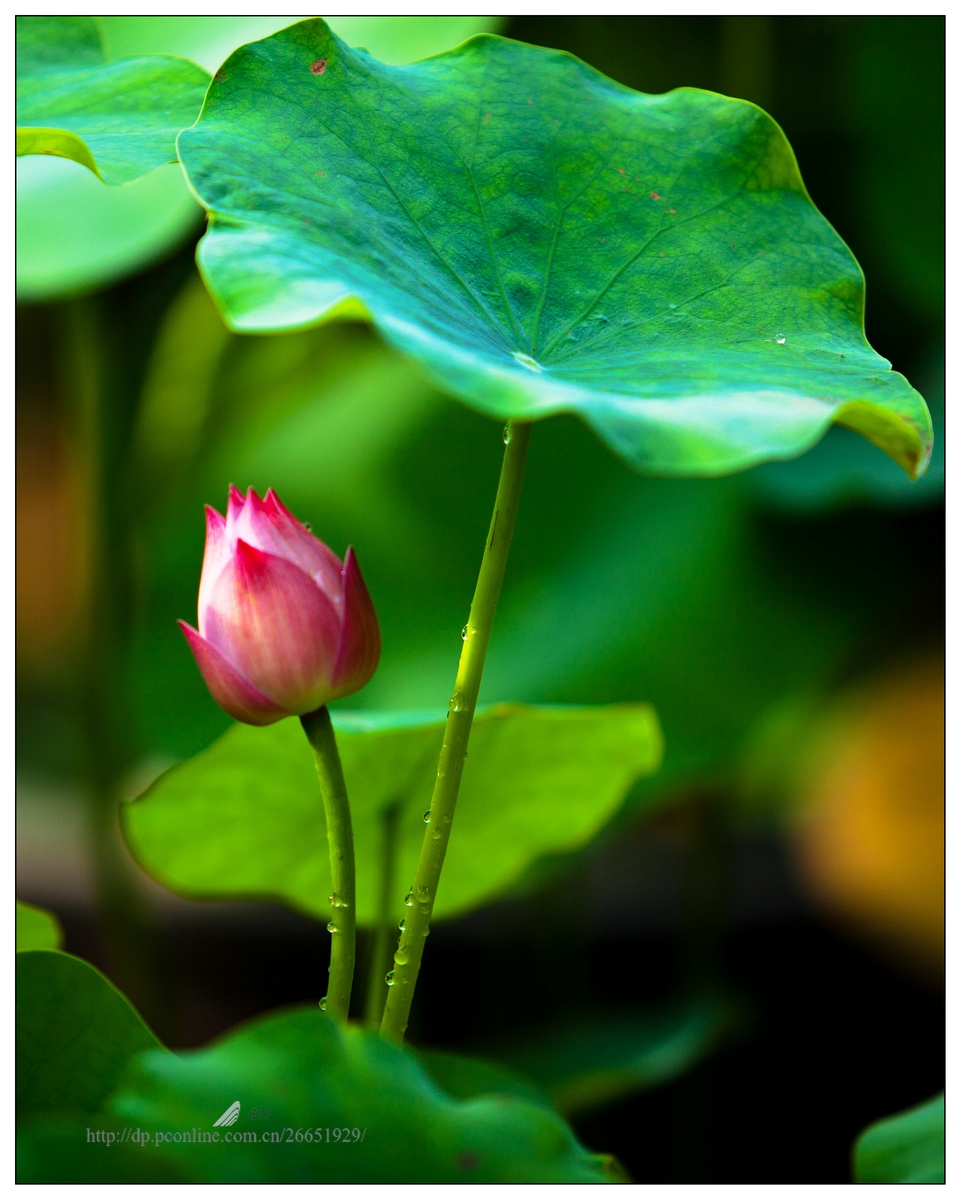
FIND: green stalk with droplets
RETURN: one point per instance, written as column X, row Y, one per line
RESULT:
column 340, row 842
column 460, row 717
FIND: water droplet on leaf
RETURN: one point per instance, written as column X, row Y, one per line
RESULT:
column 525, row 360
column 780, row 339
column 332, row 928
column 389, row 979
column 402, row 956
column 427, row 817
column 323, row 1004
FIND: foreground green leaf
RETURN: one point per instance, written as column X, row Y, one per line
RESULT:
column 118, row 119
column 907, row 1148
column 245, row 817
column 545, row 240
column 37, row 929
column 463, row 1077
column 75, row 1034
column 300, row 1072
column 583, row 1064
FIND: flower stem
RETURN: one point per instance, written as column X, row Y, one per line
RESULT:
column 340, row 841
column 460, row 717
column 380, row 951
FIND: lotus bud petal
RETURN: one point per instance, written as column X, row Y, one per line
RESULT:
column 284, row 625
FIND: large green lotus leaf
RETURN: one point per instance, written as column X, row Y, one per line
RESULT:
column 75, row 1034
column 312, row 1074
column 907, row 1148
column 583, row 1064
column 37, row 929
column 245, row 817
column 545, row 240
column 119, row 119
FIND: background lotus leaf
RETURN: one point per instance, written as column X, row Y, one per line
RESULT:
column 245, row 817
column 119, row 119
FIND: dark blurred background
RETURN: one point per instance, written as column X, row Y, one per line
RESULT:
column 787, row 623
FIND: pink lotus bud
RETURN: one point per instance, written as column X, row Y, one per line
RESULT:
column 285, row 626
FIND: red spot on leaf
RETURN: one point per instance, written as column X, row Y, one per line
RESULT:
column 470, row 1162
column 530, row 101
column 621, row 170
column 486, row 119
column 655, row 196
column 662, row 254
column 220, row 76
column 321, row 172
column 672, row 210
column 318, row 67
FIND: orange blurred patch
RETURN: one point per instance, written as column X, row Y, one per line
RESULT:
column 48, row 555
column 870, row 843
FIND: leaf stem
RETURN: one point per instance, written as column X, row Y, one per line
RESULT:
column 340, row 841
column 460, row 716
column 381, row 952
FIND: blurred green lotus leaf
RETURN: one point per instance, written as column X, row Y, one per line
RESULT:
column 583, row 1064
column 296, row 1070
column 312, row 1074
column 545, row 240
column 75, row 1033
column 209, row 40
column 464, row 1077
column 74, row 234
column 245, row 817
column 37, row 929
column 119, row 119
column 906, row 1148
